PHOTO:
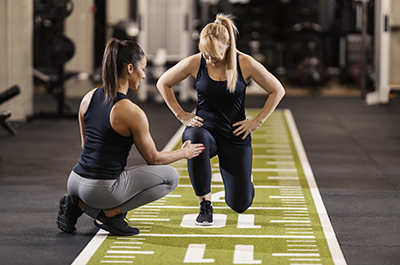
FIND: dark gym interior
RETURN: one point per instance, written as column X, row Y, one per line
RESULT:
column 336, row 59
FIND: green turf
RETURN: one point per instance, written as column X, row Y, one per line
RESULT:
column 281, row 227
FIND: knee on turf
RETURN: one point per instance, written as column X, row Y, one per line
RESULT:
column 239, row 206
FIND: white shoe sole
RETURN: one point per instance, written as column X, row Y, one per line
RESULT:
column 205, row 223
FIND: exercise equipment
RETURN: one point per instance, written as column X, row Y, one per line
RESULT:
column 311, row 71
column 4, row 96
column 54, row 9
column 59, row 49
column 52, row 49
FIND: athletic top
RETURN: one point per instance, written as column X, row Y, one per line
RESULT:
column 220, row 108
column 105, row 151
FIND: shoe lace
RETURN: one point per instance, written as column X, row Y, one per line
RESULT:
column 122, row 217
column 205, row 208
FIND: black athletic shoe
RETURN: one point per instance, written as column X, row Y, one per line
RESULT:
column 205, row 216
column 68, row 213
column 115, row 225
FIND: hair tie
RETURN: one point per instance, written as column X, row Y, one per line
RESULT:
column 218, row 21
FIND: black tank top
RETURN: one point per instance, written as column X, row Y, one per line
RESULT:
column 105, row 152
column 220, row 108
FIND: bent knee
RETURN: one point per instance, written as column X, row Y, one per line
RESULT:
column 239, row 206
column 171, row 177
column 196, row 134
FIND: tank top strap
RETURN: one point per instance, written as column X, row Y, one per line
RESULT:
column 202, row 67
column 239, row 70
column 121, row 96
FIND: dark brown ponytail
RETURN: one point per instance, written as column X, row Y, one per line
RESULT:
column 116, row 56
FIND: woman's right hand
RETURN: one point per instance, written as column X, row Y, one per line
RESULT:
column 192, row 150
column 191, row 120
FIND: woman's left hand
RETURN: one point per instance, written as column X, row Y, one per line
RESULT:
column 245, row 127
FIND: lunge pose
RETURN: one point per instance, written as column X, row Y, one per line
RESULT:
column 110, row 123
column 221, row 76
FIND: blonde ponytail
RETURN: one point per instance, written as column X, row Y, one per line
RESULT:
column 222, row 31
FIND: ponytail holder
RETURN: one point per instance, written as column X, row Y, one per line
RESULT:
column 218, row 21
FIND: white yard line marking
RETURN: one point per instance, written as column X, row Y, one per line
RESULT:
column 305, row 259
column 130, row 238
column 226, row 236
column 289, row 221
column 144, row 215
column 302, row 245
column 226, row 207
column 286, row 197
column 133, row 243
column 288, row 157
column 255, row 169
column 91, row 248
column 303, row 250
column 149, row 219
column 130, row 252
column 296, row 254
column 127, row 247
column 305, row 264
column 255, row 186
column 300, row 241
column 116, row 261
column 330, row 236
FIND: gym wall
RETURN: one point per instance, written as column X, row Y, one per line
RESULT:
column 79, row 28
column 16, row 33
column 394, row 77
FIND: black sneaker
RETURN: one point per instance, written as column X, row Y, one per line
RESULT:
column 68, row 213
column 115, row 225
column 205, row 216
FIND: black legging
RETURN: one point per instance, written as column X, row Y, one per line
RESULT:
column 235, row 166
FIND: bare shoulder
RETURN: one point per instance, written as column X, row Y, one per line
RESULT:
column 125, row 107
column 246, row 60
column 250, row 67
column 86, row 101
column 193, row 59
column 126, row 117
column 187, row 66
column 191, row 63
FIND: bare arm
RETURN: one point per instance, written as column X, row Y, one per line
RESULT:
column 173, row 76
column 138, row 125
column 256, row 71
column 82, row 110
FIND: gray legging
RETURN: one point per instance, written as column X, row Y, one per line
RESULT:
column 135, row 187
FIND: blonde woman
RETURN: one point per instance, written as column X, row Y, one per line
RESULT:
column 221, row 76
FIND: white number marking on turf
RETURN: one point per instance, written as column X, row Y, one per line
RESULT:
column 246, row 221
column 195, row 254
column 244, row 254
column 218, row 196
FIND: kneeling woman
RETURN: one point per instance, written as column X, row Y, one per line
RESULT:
column 222, row 74
column 110, row 123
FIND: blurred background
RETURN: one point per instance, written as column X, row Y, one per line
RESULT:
column 51, row 50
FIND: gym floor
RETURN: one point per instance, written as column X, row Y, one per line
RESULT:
column 353, row 149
